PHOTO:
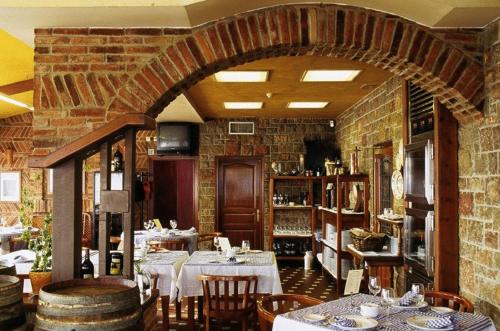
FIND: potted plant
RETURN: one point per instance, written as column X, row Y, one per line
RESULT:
column 41, row 273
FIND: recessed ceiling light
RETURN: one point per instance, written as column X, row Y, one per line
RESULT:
column 307, row 104
column 241, row 76
column 329, row 75
column 15, row 102
column 243, row 105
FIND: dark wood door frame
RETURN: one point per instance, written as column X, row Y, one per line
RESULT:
column 195, row 180
column 218, row 226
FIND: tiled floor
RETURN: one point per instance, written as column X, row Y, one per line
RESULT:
column 294, row 280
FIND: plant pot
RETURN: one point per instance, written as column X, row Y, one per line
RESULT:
column 39, row 279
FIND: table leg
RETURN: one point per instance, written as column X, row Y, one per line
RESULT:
column 190, row 313
column 165, row 302
column 200, row 309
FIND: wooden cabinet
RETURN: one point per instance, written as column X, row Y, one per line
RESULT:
column 334, row 257
column 281, row 214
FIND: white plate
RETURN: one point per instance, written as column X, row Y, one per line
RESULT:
column 420, row 322
column 362, row 323
column 417, row 306
column 255, row 251
column 314, row 317
column 442, row 310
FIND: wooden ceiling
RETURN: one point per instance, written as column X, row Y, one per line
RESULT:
column 284, row 83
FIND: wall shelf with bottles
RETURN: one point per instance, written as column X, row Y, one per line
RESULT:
column 350, row 194
column 292, row 215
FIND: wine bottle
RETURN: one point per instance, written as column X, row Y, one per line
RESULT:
column 87, row 269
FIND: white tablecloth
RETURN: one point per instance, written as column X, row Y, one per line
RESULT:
column 23, row 264
column 191, row 237
column 393, row 319
column 262, row 265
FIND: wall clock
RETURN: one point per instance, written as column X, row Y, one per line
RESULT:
column 397, row 184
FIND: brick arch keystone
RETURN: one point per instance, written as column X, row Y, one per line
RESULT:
column 405, row 48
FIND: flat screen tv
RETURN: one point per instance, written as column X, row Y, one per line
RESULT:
column 177, row 138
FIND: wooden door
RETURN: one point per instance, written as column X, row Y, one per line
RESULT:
column 175, row 191
column 239, row 199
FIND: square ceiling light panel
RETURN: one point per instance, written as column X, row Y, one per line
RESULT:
column 329, row 75
column 307, row 104
column 242, row 76
column 243, row 105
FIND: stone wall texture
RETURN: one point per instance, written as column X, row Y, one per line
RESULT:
column 279, row 140
column 479, row 189
column 375, row 119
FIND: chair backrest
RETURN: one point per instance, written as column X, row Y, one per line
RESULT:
column 270, row 306
column 17, row 244
column 86, row 230
column 455, row 302
column 226, row 295
column 173, row 244
column 208, row 237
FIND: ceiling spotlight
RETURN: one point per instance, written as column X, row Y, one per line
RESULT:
column 269, row 95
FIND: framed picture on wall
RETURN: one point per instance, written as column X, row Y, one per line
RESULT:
column 10, row 186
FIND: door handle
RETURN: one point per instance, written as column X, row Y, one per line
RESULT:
column 258, row 215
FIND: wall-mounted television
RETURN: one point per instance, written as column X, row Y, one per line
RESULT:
column 177, row 138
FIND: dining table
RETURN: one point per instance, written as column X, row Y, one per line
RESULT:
column 390, row 318
column 190, row 236
column 259, row 263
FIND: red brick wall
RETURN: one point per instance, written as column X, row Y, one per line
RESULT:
column 16, row 144
column 86, row 76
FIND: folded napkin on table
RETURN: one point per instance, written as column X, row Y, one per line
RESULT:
column 192, row 230
column 407, row 299
column 343, row 321
column 21, row 259
column 441, row 322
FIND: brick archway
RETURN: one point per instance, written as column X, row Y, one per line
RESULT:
column 402, row 47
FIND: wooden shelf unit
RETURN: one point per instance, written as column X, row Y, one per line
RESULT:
column 343, row 220
column 309, row 183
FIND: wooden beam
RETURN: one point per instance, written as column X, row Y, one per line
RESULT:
column 128, row 218
column 67, row 221
column 17, row 87
column 90, row 143
column 104, row 218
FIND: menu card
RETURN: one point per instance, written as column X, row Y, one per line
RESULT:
column 353, row 281
column 224, row 244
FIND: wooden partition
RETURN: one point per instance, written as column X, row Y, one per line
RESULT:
column 67, row 213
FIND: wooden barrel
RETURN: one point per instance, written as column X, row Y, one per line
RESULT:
column 89, row 304
column 6, row 269
column 11, row 303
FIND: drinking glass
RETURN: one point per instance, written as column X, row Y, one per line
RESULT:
column 173, row 224
column 418, row 290
column 216, row 243
column 245, row 246
column 374, row 285
column 388, row 296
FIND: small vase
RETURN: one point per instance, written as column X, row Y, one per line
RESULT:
column 39, row 279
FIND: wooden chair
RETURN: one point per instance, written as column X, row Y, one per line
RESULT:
column 455, row 302
column 270, row 306
column 17, row 244
column 172, row 244
column 225, row 302
column 86, row 230
column 208, row 237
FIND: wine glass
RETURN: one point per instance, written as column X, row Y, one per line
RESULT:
column 173, row 224
column 418, row 290
column 245, row 246
column 374, row 285
column 216, row 243
column 388, row 296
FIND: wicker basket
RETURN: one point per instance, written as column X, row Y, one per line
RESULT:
column 369, row 243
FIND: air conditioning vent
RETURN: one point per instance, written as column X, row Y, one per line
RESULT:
column 242, row 128
column 420, row 110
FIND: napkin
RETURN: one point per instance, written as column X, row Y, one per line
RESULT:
column 407, row 299
column 343, row 321
column 22, row 259
column 192, row 230
column 441, row 322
